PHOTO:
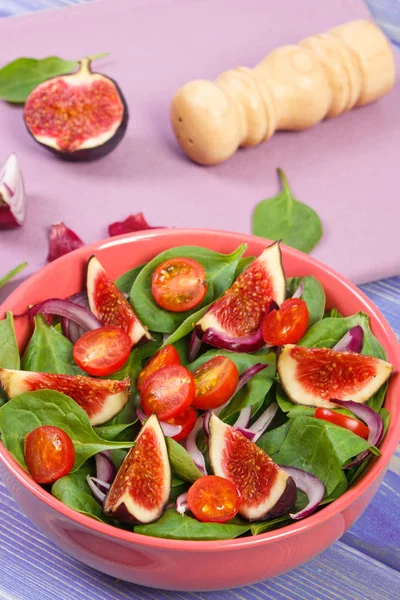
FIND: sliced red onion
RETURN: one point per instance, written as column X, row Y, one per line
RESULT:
column 194, row 346
column 299, row 291
column 169, row 429
column 206, row 421
column 12, row 194
column 191, row 447
column 243, row 419
column 243, row 379
column 352, row 341
column 247, row 343
column 70, row 329
column 311, row 485
column 94, row 485
column 259, row 426
column 62, row 240
column 181, row 505
column 65, row 308
column 371, row 419
column 130, row 225
column 105, row 469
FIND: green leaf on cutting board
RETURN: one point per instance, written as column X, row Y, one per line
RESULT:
column 11, row 274
column 19, row 77
column 285, row 218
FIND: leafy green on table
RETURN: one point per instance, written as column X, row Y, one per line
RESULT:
column 19, row 77
column 24, row 413
column 13, row 273
column 285, row 218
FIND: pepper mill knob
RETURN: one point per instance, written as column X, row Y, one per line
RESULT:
column 293, row 87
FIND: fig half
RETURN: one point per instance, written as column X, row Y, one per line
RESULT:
column 82, row 116
column 266, row 489
column 314, row 376
column 142, row 486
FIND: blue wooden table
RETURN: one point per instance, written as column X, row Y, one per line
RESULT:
column 363, row 565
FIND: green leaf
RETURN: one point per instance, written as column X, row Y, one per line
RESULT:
column 264, row 526
column 254, row 392
column 220, row 270
column 24, row 413
column 327, row 332
column 181, row 462
column 320, row 448
column 283, row 217
column 111, row 432
column 125, row 282
column 313, row 295
column 272, row 441
column 333, row 314
column 174, row 526
column 73, row 490
column 243, row 264
column 21, row 76
column 287, row 406
column 9, row 353
column 11, row 274
column 377, row 400
column 49, row 351
column 186, row 327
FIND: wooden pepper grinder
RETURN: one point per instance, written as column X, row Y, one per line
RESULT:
column 293, row 87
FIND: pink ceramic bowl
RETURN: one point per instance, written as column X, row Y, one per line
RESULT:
column 182, row 565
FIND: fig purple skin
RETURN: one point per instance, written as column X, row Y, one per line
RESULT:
column 285, row 502
column 79, row 117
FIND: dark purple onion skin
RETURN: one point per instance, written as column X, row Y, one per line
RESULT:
column 89, row 154
column 285, row 502
column 194, row 346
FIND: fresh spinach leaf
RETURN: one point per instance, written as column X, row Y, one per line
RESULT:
column 332, row 314
column 313, row 295
column 377, row 400
column 243, row 264
column 272, row 441
column 174, row 526
column 255, row 390
column 283, row 217
column 117, row 456
column 125, row 282
column 112, row 432
column 73, row 490
column 49, row 351
column 177, row 490
column 181, row 462
column 263, row 526
column 220, row 270
column 327, row 332
column 292, row 410
column 14, row 272
column 149, row 348
column 186, row 327
column 24, row 413
column 9, row 353
column 320, row 448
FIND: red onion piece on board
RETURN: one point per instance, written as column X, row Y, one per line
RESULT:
column 311, row 485
column 130, row 225
column 62, row 240
column 371, row 419
column 352, row 341
column 12, row 194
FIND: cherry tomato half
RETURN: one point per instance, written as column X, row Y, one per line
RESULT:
column 179, row 284
column 186, row 420
column 49, row 453
column 165, row 356
column 215, row 382
column 168, row 392
column 214, row 499
column 102, row 351
column 288, row 324
column 349, row 423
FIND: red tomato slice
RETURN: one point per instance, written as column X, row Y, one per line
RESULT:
column 286, row 325
column 102, row 351
column 49, row 453
column 168, row 392
column 215, row 382
column 186, row 420
column 162, row 358
column 349, row 423
column 179, row 284
column 214, row 499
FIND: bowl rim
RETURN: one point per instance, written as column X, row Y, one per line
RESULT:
column 335, row 508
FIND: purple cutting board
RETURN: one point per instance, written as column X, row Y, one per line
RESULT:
column 347, row 168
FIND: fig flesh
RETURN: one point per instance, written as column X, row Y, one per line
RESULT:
column 266, row 489
column 314, row 376
column 142, row 486
column 81, row 116
column 109, row 305
column 101, row 399
column 240, row 311
column 12, row 194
